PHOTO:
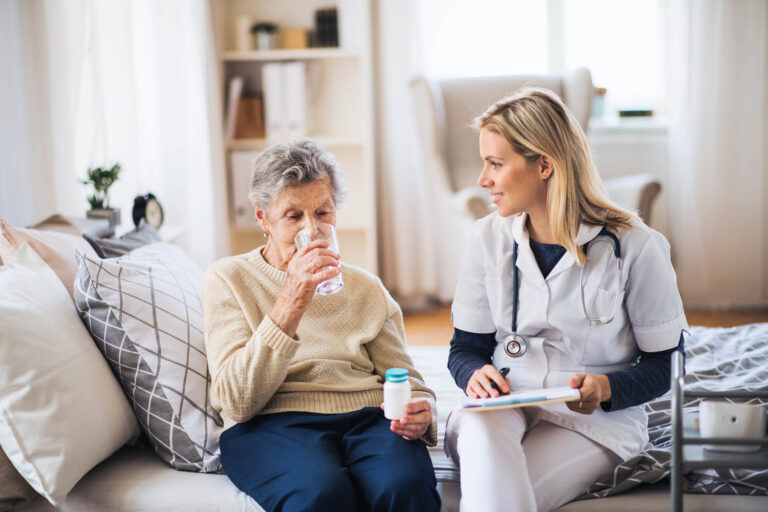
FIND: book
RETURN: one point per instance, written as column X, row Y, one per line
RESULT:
column 250, row 122
column 285, row 100
column 295, row 91
column 521, row 399
column 274, row 98
column 235, row 91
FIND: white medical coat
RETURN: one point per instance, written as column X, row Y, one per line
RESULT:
column 561, row 341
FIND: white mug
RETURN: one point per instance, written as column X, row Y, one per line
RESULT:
column 718, row 418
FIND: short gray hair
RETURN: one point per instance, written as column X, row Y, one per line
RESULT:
column 300, row 162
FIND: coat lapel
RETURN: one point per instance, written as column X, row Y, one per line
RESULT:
column 526, row 261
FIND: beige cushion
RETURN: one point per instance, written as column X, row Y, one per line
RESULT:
column 58, row 223
column 62, row 411
column 56, row 248
column 14, row 490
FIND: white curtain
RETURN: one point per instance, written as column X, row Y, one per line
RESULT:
column 92, row 82
column 719, row 155
column 407, row 219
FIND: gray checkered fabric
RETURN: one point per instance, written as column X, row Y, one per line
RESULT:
column 144, row 311
column 717, row 360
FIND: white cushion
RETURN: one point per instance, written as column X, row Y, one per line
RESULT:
column 136, row 480
column 61, row 409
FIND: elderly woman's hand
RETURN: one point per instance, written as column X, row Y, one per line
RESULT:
column 308, row 268
column 417, row 419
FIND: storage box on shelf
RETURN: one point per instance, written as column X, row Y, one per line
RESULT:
column 338, row 98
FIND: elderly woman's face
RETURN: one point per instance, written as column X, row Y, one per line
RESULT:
column 294, row 209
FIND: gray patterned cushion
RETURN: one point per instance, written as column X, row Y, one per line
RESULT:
column 116, row 247
column 144, row 312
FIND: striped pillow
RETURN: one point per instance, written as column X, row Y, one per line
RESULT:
column 144, row 312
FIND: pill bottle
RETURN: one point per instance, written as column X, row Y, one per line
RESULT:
column 397, row 393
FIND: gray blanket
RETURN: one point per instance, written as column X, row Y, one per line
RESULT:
column 717, row 360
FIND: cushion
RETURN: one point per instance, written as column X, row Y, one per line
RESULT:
column 14, row 490
column 57, row 249
column 61, row 410
column 58, row 223
column 144, row 312
column 136, row 480
column 115, row 247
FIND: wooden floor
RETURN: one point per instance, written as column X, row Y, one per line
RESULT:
column 435, row 328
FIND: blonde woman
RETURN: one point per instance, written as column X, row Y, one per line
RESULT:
column 559, row 287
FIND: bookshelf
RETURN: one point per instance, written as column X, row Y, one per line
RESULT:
column 339, row 112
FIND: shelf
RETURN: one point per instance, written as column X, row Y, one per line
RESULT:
column 302, row 54
column 329, row 142
column 349, row 226
column 339, row 113
column 633, row 127
column 696, row 457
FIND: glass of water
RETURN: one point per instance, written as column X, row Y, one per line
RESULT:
column 321, row 232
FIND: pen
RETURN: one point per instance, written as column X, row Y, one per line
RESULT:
column 503, row 371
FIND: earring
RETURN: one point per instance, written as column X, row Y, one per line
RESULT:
column 266, row 234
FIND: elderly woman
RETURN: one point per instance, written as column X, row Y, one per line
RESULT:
column 298, row 378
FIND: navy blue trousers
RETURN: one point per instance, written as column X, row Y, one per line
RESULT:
column 338, row 462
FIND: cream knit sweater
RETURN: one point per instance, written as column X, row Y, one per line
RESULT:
column 344, row 345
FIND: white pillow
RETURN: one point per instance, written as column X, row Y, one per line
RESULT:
column 61, row 409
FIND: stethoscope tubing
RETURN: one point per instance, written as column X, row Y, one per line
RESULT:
column 515, row 345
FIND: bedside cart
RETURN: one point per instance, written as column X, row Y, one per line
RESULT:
column 687, row 445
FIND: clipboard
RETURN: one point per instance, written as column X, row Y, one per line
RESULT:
column 520, row 399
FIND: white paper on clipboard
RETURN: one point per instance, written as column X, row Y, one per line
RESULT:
column 522, row 398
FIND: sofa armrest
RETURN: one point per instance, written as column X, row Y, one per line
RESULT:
column 635, row 192
column 472, row 201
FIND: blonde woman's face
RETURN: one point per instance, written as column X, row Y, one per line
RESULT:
column 515, row 184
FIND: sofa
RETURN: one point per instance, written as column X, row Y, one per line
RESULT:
column 130, row 474
column 134, row 479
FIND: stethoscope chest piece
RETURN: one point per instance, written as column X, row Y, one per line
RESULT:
column 515, row 345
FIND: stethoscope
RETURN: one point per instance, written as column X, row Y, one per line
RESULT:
column 516, row 345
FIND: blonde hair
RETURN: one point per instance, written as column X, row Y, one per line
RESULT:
column 536, row 123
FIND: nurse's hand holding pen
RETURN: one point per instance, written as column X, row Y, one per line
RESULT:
column 593, row 388
column 487, row 382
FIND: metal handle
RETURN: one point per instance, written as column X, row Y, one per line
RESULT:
column 676, row 496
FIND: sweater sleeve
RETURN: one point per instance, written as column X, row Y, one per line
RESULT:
column 469, row 351
column 246, row 367
column 387, row 350
column 648, row 379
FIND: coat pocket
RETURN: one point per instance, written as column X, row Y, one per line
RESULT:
column 607, row 337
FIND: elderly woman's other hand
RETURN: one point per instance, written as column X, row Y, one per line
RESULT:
column 417, row 419
column 308, row 268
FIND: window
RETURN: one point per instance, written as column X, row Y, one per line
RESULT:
column 483, row 37
column 621, row 41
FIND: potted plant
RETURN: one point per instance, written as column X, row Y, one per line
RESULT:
column 101, row 178
column 266, row 35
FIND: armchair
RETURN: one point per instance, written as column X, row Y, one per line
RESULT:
column 444, row 110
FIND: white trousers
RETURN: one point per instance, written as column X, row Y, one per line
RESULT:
column 512, row 461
